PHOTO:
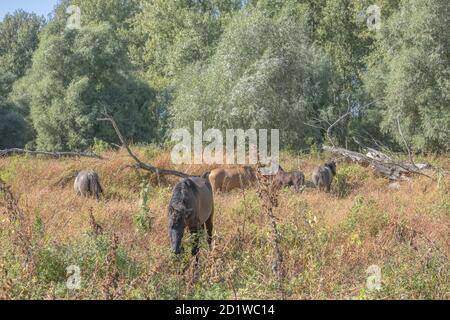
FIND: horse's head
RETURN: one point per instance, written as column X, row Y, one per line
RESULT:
column 178, row 215
column 249, row 173
column 332, row 166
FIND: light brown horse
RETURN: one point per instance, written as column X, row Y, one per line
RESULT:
column 226, row 179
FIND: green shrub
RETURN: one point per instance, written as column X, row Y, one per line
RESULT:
column 341, row 186
column 143, row 220
column 347, row 178
column 366, row 219
column 151, row 151
column 50, row 264
column 100, row 146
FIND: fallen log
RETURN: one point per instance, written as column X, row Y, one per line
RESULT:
column 7, row 152
column 383, row 164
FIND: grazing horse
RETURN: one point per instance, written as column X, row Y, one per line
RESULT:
column 191, row 206
column 87, row 183
column 226, row 179
column 286, row 179
column 323, row 176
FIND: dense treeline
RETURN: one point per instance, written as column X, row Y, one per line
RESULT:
column 296, row 65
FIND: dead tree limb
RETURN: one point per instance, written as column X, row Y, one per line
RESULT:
column 394, row 170
column 12, row 151
column 139, row 164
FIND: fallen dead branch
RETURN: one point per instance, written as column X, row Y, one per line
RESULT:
column 7, row 152
column 139, row 164
column 382, row 163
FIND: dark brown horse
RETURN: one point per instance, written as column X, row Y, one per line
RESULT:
column 323, row 176
column 191, row 206
column 286, row 179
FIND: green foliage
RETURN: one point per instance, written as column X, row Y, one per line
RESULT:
column 50, row 265
column 14, row 129
column 87, row 253
column 151, row 151
column 9, row 172
column 410, row 70
column 18, row 40
column 38, row 225
column 171, row 34
column 143, row 220
column 340, row 184
column 366, row 219
column 264, row 74
column 347, row 178
column 100, row 146
column 77, row 75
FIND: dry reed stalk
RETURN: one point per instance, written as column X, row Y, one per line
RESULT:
column 96, row 229
column 111, row 280
column 21, row 233
column 268, row 194
column 7, row 286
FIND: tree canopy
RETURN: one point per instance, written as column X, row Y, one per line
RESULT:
column 294, row 65
column 77, row 75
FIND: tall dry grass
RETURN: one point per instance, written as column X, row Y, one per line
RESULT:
column 328, row 241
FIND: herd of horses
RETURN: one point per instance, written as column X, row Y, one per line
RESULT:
column 192, row 203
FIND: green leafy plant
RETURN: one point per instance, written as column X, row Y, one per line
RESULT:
column 100, row 146
column 143, row 220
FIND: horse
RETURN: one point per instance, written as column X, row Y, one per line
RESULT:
column 285, row 179
column 191, row 206
column 87, row 183
column 226, row 179
column 323, row 176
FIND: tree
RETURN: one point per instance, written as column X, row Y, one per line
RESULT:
column 76, row 75
column 171, row 34
column 18, row 40
column 14, row 130
column 265, row 74
column 410, row 70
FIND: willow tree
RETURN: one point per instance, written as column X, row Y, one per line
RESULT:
column 77, row 75
column 266, row 73
column 410, row 71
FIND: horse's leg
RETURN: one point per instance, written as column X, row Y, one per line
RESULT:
column 195, row 248
column 209, row 227
column 209, row 230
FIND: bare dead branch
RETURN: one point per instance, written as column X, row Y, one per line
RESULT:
column 139, row 163
column 394, row 170
column 13, row 151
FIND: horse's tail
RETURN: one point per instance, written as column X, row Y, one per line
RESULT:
column 94, row 185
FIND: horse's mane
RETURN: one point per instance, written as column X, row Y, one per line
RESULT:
column 181, row 192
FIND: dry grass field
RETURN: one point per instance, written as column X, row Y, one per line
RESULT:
column 121, row 246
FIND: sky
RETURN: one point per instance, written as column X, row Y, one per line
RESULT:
column 40, row 7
